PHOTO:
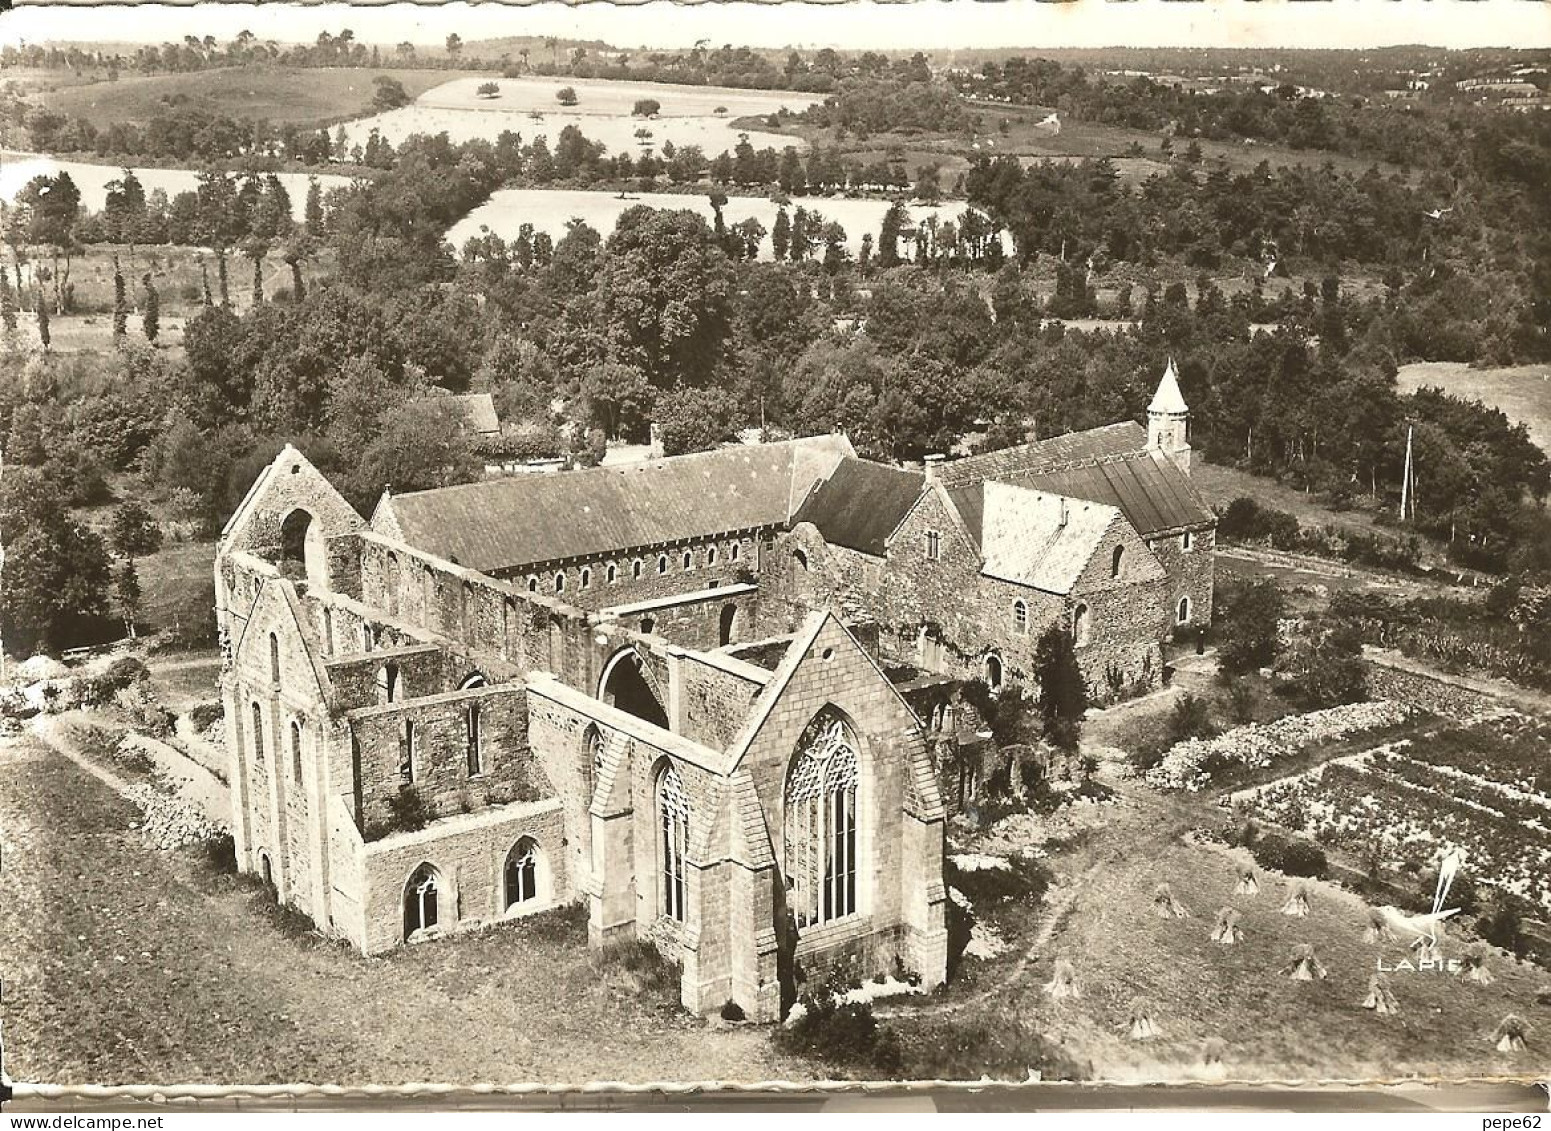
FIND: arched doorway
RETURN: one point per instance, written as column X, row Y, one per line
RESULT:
column 422, row 897
column 727, row 633
column 993, row 666
column 628, row 685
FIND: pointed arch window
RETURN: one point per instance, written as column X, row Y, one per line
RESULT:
column 1115, row 561
column 522, row 872
column 274, row 658
column 820, row 823
column 296, row 751
column 1183, row 613
column 613, row 573
column 421, row 898
column 673, row 840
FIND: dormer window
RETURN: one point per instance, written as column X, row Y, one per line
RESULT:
column 933, row 545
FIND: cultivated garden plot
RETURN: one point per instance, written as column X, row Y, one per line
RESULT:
column 1483, row 787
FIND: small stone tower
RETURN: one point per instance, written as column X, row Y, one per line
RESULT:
column 1168, row 420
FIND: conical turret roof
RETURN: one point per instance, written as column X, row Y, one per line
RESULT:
column 1168, row 397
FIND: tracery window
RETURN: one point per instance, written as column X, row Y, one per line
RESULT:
column 522, row 872
column 673, row 833
column 820, row 823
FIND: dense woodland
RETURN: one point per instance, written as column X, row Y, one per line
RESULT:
column 932, row 339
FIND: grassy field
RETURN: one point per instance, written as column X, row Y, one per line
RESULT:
column 299, row 95
column 156, row 969
column 1523, row 392
column 1273, row 1027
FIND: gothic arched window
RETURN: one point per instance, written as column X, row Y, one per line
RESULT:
column 673, row 833
column 820, row 823
column 522, row 872
column 420, row 900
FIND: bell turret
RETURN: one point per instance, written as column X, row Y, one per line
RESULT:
column 1168, row 420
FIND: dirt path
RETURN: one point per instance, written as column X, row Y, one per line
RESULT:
column 53, row 730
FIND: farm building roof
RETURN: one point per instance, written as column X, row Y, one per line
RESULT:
column 1149, row 487
column 1040, row 539
column 478, row 410
column 504, row 524
column 861, row 503
column 1124, row 438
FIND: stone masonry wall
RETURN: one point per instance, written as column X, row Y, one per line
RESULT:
column 509, row 770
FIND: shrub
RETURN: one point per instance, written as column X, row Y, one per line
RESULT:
column 221, row 854
column 1191, row 718
column 995, row 1042
column 409, row 811
column 1503, row 924
column 124, row 671
column 732, row 1011
column 1292, row 856
column 567, row 923
column 203, row 715
column 841, row 1033
column 1025, row 878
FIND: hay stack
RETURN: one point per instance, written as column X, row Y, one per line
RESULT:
column 1142, row 1028
column 1212, row 1052
column 1427, row 950
column 1380, row 999
column 1227, row 930
column 1247, row 884
column 1510, row 1033
column 1063, row 982
column 1165, row 906
column 1304, row 967
column 1297, row 904
column 1475, row 969
column 1377, row 930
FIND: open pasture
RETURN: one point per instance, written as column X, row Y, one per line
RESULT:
column 549, row 209
column 689, row 115
column 1522, row 392
column 310, row 96
column 17, row 169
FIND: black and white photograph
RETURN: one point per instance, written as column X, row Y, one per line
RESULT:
column 820, row 546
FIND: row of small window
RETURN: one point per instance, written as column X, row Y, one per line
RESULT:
column 295, row 730
column 1081, row 620
column 637, row 569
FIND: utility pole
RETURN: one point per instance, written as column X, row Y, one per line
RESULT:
column 1405, row 480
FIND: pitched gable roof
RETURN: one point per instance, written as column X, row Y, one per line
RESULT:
column 527, row 519
column 1155, row 495
column 1125, row 438
column 478, row 410
column 861, row 503
column 1041, row 540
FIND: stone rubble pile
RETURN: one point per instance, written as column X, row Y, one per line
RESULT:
column 171, row 822
column 1187, row 764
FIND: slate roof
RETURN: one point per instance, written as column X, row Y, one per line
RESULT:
column 502, row 524
column 1149, row 488
column 479, row 409
column 1152, row 491
column 1039, row 539
column 1111, row 440
column 861, row 504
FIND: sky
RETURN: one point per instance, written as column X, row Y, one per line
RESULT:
column 925, row 24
